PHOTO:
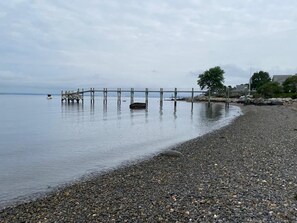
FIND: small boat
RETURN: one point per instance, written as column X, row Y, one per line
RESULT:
column 138, row 105
column 49, row 96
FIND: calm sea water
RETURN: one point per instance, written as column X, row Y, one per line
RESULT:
column 44, row 143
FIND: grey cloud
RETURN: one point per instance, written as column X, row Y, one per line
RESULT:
column 112, row 43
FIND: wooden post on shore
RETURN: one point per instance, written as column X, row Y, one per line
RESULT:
column 132, row 96
column 175, row 97
column 161, row 98
column 146, row 97
column 227, row 97
column 209, row 97
column 62, row 96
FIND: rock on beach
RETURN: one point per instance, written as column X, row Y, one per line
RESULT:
column 171, row 153
column 245, row 172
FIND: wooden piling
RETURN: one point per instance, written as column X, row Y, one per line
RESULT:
column 132, row 96
column 146, row 97
column 227, row 98
column 105, row 95
column 192, row 99
column 77, row 96
column 175, row 97
column 92, row 95
column 161, row 98
column 119, row 92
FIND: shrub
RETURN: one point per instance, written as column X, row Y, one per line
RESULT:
column 269, row 89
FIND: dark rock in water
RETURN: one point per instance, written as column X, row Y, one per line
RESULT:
column 138, row 105
column 172, row 153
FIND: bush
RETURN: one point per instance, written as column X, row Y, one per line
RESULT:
column 269, row 89
column 290, row 84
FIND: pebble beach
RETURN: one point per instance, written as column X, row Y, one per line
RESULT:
column 244, row 172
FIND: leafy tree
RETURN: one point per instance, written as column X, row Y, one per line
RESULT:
column 269, row 89
column 259, row 79
column 290, row 84
column 212, row 79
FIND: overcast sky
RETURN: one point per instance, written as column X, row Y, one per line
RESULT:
column 49, row 45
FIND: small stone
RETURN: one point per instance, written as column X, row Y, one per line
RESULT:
column 172, row 153
column 173, row 198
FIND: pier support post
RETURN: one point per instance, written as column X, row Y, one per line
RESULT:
column 105, row 95
column 119, row 92
column 175, row 97
column 132, row 96
column 161, row 98
column 92, row 95
column 67, row 96
column 77, row 97
column 192, row 99
column 146, row 97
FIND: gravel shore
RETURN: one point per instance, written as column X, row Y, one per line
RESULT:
column 245, row 172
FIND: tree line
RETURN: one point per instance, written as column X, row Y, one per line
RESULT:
column 261, row 83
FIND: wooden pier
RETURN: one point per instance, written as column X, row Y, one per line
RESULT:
column 78, row 96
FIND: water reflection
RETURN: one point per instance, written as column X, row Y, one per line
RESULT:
column 213, row 110
column 160, row 114
column 92, row 109
column 72, row 108
column 104, row 109
column 119, row 109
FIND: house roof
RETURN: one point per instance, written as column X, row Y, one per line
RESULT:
column 280, row 78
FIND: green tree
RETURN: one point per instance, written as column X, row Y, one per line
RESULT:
column 259, row 79
column 290, row 84
column 269, row 89
column 211, row 79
